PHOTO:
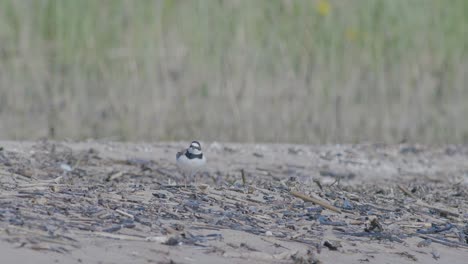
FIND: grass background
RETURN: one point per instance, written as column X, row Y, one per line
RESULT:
column 305, row 71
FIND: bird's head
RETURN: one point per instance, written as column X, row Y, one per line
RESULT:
column 195, row 148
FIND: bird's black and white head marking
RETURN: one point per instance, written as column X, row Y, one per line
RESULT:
column 195, row 145
column 194, row 150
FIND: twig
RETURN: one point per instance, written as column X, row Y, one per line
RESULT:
column 407, row 192
column 124, row 213
column 379, row 235
column 316, row 181
column 181, row 186
column 276, row 244
column 416, row 225
column 114, row 236
column 447, row 212
column 316, row 201
column 243, row 177
column 421, row 203
column 443, row 241
column 435, row 229
column 114, row 175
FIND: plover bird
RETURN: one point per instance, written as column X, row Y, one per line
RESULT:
column 191, row 160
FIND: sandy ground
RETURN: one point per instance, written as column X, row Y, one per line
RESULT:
column 106, row 202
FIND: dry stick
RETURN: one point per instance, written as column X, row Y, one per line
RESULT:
column 316, row 201
column 421, row 203
column 243, row 177
column 114, row 236
column 115, row 175
column 407, row 192
column 124, row 213
column 447, row 212
column 445, row 243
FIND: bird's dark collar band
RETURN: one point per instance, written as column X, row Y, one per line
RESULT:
column 193, row 156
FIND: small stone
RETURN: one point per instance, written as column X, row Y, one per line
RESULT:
column 65, row 167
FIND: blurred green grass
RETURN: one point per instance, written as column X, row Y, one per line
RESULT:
column 306, row 71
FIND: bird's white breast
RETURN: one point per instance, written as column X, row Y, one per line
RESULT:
column 190, row 165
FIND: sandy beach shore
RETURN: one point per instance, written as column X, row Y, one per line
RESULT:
column 108, row 202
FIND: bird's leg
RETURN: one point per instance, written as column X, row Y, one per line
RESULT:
column 191, row 176
column 185, row 180
column 195, row 178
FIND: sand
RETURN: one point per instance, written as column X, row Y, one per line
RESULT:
column 108, row 202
